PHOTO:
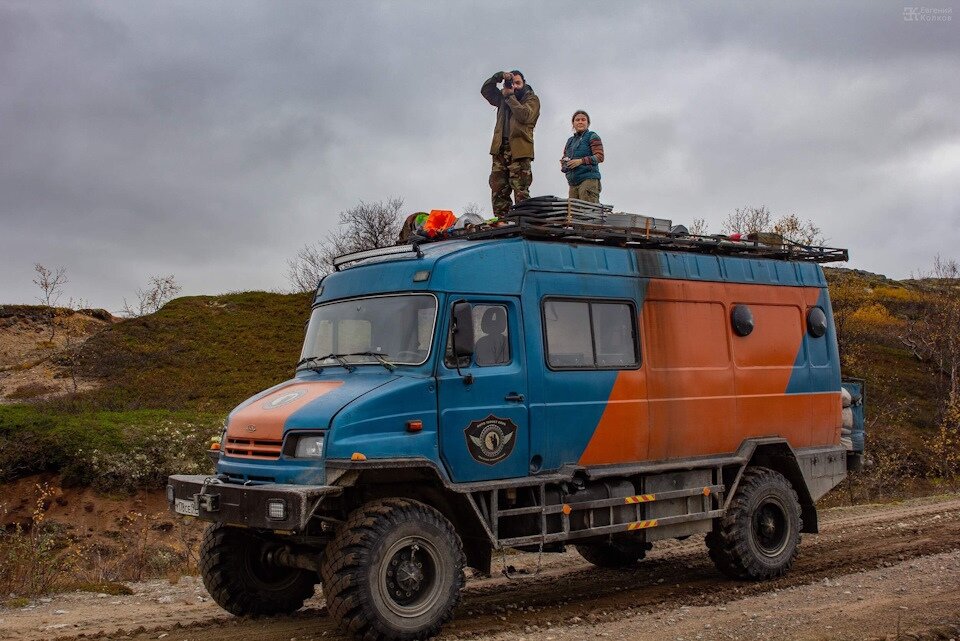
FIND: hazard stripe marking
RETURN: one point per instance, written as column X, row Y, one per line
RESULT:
column 641, row 498
column 642, row 525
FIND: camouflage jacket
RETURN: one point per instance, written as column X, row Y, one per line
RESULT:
column 522, row 114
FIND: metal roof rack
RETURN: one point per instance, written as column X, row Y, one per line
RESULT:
column 576, row 221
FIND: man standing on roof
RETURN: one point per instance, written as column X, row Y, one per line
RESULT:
column 512, row 148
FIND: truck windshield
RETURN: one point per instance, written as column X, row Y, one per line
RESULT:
column 379, row 330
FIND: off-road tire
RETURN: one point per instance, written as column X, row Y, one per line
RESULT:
column 361, row 575
column 240, row 578
column 615, row 552
column 757, row 538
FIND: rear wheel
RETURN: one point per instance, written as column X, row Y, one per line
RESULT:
column 758, row 536
column 615, row 552
column 394, row 571
column 238, row 574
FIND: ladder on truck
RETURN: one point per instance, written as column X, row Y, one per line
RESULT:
column 541, row 521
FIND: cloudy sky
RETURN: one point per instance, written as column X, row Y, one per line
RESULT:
column 211, row 140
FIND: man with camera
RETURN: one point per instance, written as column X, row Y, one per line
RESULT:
column 512, row 148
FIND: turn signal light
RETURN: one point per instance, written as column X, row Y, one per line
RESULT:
column 415, row 425
column 214, row 446
column 357, row 456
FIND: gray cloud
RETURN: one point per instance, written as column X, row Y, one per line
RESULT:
column 212, row 140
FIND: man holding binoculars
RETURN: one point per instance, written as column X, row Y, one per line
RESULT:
column 512, row 148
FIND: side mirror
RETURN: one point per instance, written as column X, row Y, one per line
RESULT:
column 462, row 328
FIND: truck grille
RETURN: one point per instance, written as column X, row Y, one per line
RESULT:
column 253, row 448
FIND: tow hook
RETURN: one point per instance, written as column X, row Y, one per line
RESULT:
column 209, row 502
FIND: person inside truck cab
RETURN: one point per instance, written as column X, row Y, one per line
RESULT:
column 493, row 348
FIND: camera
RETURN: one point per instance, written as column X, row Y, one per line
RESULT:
column 508, row 81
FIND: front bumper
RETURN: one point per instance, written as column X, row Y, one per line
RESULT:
column 210, row 499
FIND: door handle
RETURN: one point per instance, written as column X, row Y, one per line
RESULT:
column 513, row 397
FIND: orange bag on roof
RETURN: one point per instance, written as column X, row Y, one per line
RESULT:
column 439, row 221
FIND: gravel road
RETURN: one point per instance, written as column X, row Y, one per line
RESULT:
column 873, row 572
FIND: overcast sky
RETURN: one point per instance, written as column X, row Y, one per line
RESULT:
column 211, row 140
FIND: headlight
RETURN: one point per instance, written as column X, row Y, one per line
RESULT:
column 309, row 446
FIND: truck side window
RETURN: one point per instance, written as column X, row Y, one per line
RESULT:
column 614, row 334
column 492, row 346
column 590, row 334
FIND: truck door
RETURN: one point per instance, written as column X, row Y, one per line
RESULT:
column 484, row 427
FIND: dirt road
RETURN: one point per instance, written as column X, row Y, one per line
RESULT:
column 872, row 571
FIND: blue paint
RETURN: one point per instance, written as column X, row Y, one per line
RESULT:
column 817, row 368
column 559, row 410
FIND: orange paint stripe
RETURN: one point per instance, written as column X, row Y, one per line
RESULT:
column 256, row 431
column 641, row 498
column 642, row 525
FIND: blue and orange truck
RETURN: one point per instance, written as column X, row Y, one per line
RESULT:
column 556, row 380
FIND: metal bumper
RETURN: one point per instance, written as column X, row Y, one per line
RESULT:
column 210, row 499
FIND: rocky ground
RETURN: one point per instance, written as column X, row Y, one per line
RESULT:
column 874, row 572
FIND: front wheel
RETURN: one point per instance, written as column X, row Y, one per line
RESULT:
column 394, row 571
column 758, row 536
column 240, row 576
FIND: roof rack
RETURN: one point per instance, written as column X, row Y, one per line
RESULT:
column 576, row 221
column 392, row 250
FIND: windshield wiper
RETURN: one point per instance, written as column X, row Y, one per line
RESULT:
column 377, row 355
column 317, row 360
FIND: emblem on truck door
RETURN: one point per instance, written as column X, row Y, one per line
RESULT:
column 491, row 440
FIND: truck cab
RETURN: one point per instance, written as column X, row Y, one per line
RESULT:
column 516, row 388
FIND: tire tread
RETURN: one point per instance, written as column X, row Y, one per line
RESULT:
column 345, row 558
column 728, row 544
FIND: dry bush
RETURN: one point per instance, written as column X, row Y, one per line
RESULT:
column 874, row 320
column 698, row 227
column 31, row 390
column 136, row 554
column 901, row 295
column 38, row 557
column 945, row 445
column 159, row 291
column 891, row 467
column 365, row 226
column 50, row 282
column 33, row 557
column 756, row 220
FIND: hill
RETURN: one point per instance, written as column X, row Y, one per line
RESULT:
column 35, row 361
column 150, row 391
column 204, row 353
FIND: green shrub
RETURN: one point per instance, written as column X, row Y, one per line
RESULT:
column 108, row 450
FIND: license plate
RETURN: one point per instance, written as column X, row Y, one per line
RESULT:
column 186, row 506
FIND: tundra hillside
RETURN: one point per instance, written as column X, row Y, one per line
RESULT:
column 116, row 405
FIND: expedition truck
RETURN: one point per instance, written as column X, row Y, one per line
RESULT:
column 529, row 386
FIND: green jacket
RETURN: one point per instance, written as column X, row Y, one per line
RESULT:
column 522, row 114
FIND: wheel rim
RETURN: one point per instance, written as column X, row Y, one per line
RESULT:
column 771, row 527
column 409, row 577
